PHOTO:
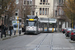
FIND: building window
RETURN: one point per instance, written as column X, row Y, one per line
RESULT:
column 40, row 11
column 60, row 11
column 40, row 0
column 44, row 2
column 61, row 1
column 17, row 1
column 24, row 2
column 47, row 11
column 30, row 2
column 44, row 11
column 27, row 2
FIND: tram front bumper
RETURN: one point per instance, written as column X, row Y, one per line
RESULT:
column 30, row 31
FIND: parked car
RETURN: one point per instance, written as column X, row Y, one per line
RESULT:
column 67, row 32
column 72, row 34
column 63, row 30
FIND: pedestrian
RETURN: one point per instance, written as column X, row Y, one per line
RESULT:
column 6, row 29
column 20, row 30
column 0, row 28
column 15, row 26
column 10, row 29
column 3, row 30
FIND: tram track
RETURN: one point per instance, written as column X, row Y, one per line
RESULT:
column 51, row 43
column 39, row 44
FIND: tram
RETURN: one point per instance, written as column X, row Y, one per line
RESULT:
column 47, row 24
column 31, row 24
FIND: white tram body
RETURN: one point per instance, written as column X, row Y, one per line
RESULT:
column 47, row 24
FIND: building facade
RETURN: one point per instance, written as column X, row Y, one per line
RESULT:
column 42, row 8
column 45, row 9
column 62, row 20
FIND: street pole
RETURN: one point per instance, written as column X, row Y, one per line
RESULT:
column 2, row 20
column 2, row 12
column 24, row 21
column 37, row 22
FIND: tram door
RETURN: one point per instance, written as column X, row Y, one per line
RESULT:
column 45, row 27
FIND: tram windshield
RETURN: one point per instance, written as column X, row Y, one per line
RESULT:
column 31, row 23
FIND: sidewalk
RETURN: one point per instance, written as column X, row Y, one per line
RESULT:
column 8, row 36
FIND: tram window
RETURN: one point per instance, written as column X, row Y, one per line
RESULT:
column 52, row 25
column 30, row 23
column 45, row 24
column 40, row 25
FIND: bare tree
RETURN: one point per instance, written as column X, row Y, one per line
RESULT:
column 10, row 9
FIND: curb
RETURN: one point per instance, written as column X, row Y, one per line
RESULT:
column 71, row 41
column 9, row 37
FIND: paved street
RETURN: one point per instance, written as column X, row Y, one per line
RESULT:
column 43, row 41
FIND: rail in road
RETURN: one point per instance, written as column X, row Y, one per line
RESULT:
column 50, row 42
column 43, row 41
column 40, row 43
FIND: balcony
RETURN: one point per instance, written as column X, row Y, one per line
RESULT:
column 61, row 17
column 60, row 5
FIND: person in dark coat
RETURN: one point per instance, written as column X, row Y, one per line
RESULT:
column 6, row 29
column 0, row 28
column 10, row 28
column 3, row 31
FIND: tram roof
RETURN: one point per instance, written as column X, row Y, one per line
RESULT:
column 31, row 16
column 46, row 20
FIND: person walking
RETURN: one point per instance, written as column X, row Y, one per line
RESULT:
column 15, row 26
column 10, row 29
column 0, row 30
column 6, row 29
column 3, row 31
